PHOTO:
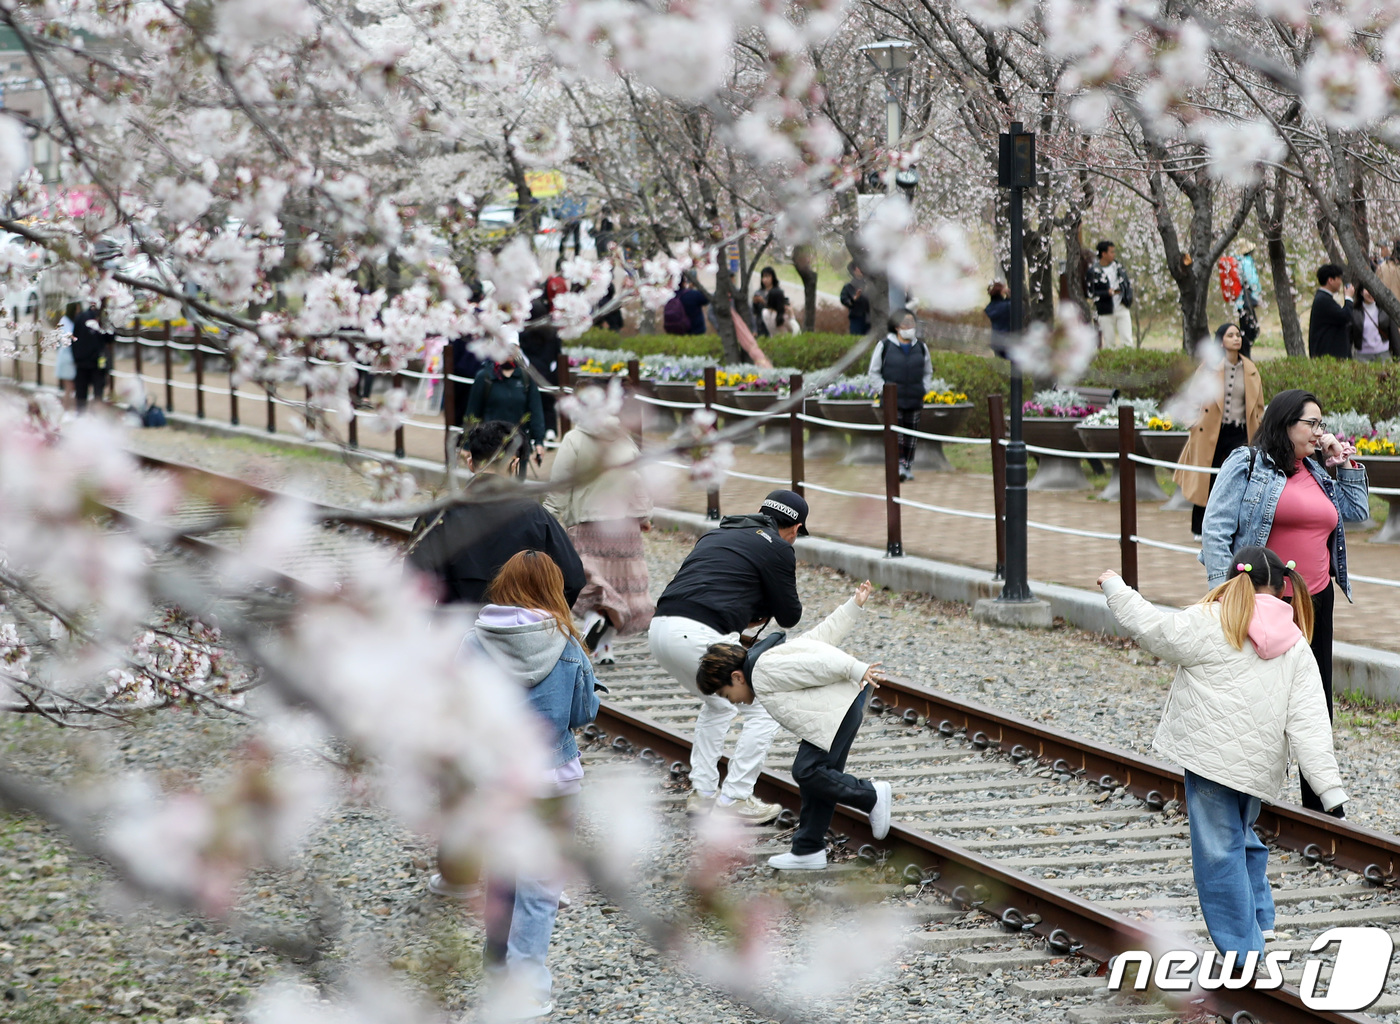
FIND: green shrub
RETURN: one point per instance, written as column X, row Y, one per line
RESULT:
column 1139, row 372
column 1369, row 388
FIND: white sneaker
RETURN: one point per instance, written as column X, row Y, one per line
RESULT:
column 697, row 805
column 798, row 861
column 439, row 886
column 880, row 816
column 749, row 811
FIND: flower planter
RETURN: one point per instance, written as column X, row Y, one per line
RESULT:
column 1055, row 472
column 822, row 442
column 1384, row 471
column 655, row 418
column 1105, row 439
column 939, row 419
column 776, row 434
column 1166, row 445
column 867, row 446
column 675, row 391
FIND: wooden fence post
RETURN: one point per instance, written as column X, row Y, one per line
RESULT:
column 711, row 494
column 1127, row 495
column 894, row 535
column 198, row 375
column 398, row 431
column 566, row 381
column 169, row 368
column 797, row 448
column 995, row 413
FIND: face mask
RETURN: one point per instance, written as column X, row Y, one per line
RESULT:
column 907, row 333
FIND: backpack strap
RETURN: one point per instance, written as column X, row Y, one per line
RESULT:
column 1253, row 454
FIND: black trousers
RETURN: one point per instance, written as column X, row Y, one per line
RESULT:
column 1232, row 435
column 822, row 781
column 909, row 420
column 1323, row 603
column 87, row 378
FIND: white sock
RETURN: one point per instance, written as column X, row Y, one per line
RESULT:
column 725, row 801
column 708, row 794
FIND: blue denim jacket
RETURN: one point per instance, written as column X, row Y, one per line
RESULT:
column 564, row 698
column 1241, row 510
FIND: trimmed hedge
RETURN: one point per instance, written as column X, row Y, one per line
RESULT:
column 1370, row 388
column 806, row 352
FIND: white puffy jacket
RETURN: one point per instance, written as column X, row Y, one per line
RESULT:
column 1232, row 716
column 808, row 684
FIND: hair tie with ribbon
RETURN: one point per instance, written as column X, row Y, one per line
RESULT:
column 1244, row 567
column 1290, row 565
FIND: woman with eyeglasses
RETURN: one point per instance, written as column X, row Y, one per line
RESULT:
column 1279, row 493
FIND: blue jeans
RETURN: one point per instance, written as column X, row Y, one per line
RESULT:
column 1229, row 862
column 519, row 924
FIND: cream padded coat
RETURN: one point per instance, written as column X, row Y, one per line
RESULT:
column 1231, row 715
column 808, row 684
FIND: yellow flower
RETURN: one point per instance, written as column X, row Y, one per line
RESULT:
column 944, row 397
column 1375, row 446
column 1159, row 423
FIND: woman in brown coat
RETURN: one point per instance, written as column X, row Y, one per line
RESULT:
column 1225, row 423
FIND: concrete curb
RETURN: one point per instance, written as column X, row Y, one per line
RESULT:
column 1371, row 672
column 1364, row 669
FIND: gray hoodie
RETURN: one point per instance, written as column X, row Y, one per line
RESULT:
column 524, row 642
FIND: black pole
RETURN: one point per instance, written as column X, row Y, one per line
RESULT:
column 1016, row 171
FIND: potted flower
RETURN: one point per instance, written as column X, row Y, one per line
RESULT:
column 1048, row 421
column 946, row 409
column 851, row 400
column 1099, row 432
column 675, row 377
column 1380, row 454
column 759, row 391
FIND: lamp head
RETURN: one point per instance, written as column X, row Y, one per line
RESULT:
column 891, row 56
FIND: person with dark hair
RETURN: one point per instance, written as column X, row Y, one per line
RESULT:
column 1277, row 493
column 465, row 546
column 735, row 579
column 1111, row 291
column 543, row 349
column 1329, row 324
column 1379, row 339
column 853, row 298
column 817, row 691
column 770, row 305
column 528, row 633
column 92, row 356
column 998, row 308
column 1235, row 715
column 503, row 391
column 1226, row 422
column 902, row 359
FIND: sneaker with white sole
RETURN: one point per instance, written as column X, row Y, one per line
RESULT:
column 439, row 886
column 798, row 861
column 880, row 816
column 697, row 805
column 749, row 811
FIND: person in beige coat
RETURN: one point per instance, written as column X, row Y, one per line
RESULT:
column 1225, row 423
column 1246, row 696
column 605, row 510
column 817, row 691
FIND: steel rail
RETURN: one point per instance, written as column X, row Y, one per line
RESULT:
column 1318, row 837
column 1022, row 903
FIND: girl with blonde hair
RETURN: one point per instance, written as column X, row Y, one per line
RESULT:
column 1247, row 691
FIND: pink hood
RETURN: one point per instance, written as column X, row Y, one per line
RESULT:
column 1272, row 630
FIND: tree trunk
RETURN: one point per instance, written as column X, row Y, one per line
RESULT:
column 802, row 263
column 1073, row 286
column 1040, row 278
column 1271, row 226
column 723, row 304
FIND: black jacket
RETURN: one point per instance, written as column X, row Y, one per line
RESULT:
column 1329, row 327
column 513, row 399
column 740, row 573
column 90, row 347
column 471, row 543
column 857, row 306
column 1100, row 289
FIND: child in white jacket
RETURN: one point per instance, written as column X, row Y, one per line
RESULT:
column 1234, row 711
column 817, row 691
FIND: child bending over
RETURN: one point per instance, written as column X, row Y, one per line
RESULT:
column 817, row 691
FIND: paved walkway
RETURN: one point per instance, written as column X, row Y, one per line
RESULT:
column 1165, row 576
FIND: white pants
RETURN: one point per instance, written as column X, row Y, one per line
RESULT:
column 1116, row 328
column 678, row 644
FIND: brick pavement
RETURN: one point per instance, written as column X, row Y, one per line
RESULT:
column 1165, row 576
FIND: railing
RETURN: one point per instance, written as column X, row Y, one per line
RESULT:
column 1127, row 537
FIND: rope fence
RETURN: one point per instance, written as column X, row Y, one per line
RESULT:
column 1127, row 537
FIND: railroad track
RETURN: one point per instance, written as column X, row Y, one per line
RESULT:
column 1070, row 848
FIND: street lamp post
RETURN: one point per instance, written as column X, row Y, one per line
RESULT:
column 891, row 59
column 1016, row 606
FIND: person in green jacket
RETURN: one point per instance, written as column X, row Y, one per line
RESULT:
column 504, row 391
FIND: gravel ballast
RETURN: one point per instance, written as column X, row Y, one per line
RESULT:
column 72, row 948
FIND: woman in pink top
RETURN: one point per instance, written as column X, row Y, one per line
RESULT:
column 1278, row 493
